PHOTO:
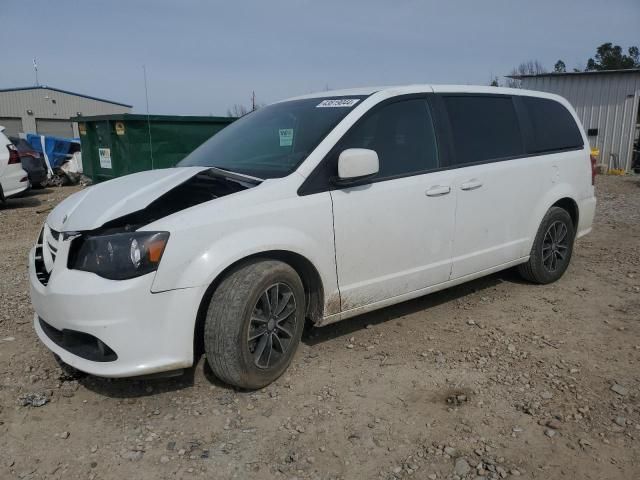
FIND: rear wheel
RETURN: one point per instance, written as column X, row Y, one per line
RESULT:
column 552, row 248
column 254, row 323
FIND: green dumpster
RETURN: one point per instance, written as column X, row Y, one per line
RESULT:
column 116, row 145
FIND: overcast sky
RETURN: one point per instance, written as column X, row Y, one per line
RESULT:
column 203, row 56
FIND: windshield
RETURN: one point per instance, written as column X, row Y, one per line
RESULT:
column 272, row 141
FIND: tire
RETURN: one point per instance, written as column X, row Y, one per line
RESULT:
column 552, row 248
column 239, row 332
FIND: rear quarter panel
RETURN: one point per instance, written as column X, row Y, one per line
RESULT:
column 568, row 175
column 571, row 177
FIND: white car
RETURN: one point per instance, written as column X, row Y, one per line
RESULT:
column 320, row 207
column 13, row 179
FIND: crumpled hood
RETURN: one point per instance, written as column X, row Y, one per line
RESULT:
column 98, row 204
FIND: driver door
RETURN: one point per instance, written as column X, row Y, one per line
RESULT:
column 394, row 235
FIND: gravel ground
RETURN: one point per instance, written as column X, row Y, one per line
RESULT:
column 493, row 379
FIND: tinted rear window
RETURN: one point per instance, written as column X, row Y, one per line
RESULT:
column 484, row 128
column 553, row 127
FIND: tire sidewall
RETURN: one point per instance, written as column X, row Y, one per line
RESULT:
column 555, row 214
column 281, row 273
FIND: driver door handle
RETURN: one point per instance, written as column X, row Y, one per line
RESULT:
column 437, row 190
column 471, row 185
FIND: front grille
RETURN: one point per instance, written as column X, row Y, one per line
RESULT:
column 46, row 252
column 81, row 344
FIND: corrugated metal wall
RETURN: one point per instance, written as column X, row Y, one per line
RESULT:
column 51, row 104
column 608, row 102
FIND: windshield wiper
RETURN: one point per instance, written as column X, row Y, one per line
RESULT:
column 236, row 175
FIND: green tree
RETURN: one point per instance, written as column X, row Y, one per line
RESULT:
column 610, row 57
column 560, row 67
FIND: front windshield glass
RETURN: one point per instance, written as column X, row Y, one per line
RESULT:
column 272, row 141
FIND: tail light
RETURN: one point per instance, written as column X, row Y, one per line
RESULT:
column 593, row 169
column 14, row 156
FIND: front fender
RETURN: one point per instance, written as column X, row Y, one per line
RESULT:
column 207, row 264
column 207, row 239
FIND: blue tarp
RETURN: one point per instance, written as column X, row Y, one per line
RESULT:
column 56, row 148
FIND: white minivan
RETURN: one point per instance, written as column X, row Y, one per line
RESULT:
column 316, row 208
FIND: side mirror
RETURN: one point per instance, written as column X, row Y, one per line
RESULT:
column 356, row 164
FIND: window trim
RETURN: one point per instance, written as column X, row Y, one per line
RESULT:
column 524, row 122
column 314, row 183
column 444, row 140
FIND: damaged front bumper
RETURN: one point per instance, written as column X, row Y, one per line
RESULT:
column 113, row 328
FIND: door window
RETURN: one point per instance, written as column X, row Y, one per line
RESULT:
column 484, row 128
column 402, row 135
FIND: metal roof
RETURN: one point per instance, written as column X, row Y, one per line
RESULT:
column 562, row 74
column 45, row 87
column 125, row 117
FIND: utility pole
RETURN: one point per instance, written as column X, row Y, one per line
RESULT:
column 146, row 94
column 35, row 68
column 253, row 100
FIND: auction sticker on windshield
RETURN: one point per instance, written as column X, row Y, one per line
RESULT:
column 341, row 102
column 286, row 137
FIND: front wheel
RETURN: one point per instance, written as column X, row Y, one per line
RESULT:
column 552, row 248
column 254, row 323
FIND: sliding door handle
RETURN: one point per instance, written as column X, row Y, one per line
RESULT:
column 437, row 190
column 471, row 185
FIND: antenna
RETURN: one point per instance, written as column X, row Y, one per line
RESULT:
column 253, row 100
column 146, row 94
column 35, row 68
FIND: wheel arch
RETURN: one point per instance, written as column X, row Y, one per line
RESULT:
column 309, row 274
column 561, row 195
column 570, row 205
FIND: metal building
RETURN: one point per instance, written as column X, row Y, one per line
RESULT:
column 51, row 111
column 607, row 104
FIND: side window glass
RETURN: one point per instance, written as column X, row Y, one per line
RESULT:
column 553, row 126
column 484, row 128
column 403, row 136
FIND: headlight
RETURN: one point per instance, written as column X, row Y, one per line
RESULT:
column 118, row 256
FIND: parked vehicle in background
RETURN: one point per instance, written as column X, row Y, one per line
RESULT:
column 32, row 162
column 13, row 179
column 62, row 155
column 321, row 207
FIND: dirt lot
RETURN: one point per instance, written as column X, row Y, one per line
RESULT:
column 495, row 379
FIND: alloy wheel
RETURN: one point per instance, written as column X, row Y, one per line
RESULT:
column 272, row 325
column 555, row 246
